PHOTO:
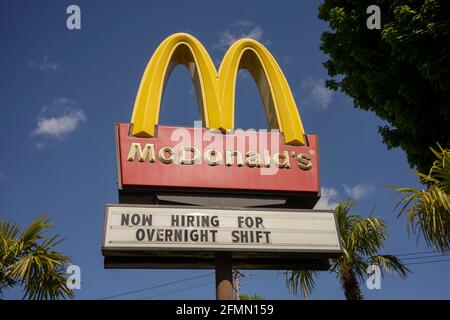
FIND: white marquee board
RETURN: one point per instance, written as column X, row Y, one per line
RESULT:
column 150, row 228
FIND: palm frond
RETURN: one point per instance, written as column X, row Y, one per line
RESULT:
column 36, row 229
column 428, row 210
column 367, row 236
column 30, row 260
column 301, row 281
column 8, row 231
column 48, row 286
column 428, row 213
column 362, row 238
column 391, row 264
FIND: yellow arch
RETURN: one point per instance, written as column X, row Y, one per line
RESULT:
column 216, row 90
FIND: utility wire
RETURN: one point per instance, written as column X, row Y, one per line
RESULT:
column 425, row 262
column 426, row 257
column 416, row 253
column 178, row 290
column 209, row 283
column 157, row 286
column 207, row 274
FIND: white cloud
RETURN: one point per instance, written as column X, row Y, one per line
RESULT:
column 329, row 198
column 59, row 127
column 358, row 191
column 58, row 120
column 315, row 94
column 44, row 65
column 240, row 29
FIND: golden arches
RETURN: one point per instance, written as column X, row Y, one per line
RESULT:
column 216, row 90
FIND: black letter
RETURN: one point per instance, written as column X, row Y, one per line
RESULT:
column 135, row 219
column 125, row 219
column 147, row 220
column 175, row 220
column 259, row 222
column 215, row 221
column 140, row 234
column 235, row 236
column 267, row 233
column 213, row 233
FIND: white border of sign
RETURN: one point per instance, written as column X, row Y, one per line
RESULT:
column 292, row 230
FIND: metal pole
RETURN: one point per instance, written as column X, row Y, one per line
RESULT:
column 237, row 295
column 224, row 276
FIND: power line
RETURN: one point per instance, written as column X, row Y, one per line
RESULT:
column 425, row 257
column 425, row 262
column 209, row 283
column 178, row 290
column 210, row 273
column 415, row 253
column 157, row 286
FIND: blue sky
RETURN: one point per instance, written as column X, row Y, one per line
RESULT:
column 62, row 92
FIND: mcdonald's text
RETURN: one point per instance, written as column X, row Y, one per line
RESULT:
column 188, row 155
column 198, row 158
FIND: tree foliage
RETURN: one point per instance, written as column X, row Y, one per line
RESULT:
column 251, row 297
column 400, row 72
column 28, row 259
column 362, row 239
column 428, row 210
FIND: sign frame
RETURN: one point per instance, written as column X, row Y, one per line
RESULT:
column 186, row 258
column 139, row 194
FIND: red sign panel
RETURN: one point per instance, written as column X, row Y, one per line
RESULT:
column 195, row 158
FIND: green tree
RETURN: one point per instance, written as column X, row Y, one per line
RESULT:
column 428, row 210
column 28, row 259
column 400, row 72
column 362, row 238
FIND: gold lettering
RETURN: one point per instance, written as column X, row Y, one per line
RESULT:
column 304, row 161
column 148, row 151
column 285, row 163
column 252, row 159
column 209, row 154
column 266, row 158
column 229, row 158
column 213, row 157
column 162, row 155
column 195, row 155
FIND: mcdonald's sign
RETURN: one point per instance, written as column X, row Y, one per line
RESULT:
column 216, row 157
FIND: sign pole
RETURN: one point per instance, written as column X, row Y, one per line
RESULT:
column 224, row 276
column 236, row 285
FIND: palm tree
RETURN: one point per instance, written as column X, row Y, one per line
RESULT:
column 428, row 210
column 362, row 238
column 29, row 260
column 251, row 297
